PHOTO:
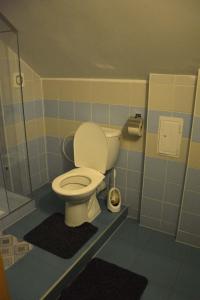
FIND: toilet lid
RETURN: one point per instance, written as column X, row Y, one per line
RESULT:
column 90, row 147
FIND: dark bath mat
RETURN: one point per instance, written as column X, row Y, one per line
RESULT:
column 54, row 236
column 101, row 280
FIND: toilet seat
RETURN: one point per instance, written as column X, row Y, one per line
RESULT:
column 79, row 181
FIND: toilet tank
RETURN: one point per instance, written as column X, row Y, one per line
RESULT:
column 113, row 140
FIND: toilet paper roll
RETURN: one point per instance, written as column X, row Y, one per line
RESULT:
column 135, row 131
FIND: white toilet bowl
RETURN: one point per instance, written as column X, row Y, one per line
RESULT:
column 95, row 151
column 78, row 189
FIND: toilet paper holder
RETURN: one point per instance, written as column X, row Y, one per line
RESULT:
column 135, row 125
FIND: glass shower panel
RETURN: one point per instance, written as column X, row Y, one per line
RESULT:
column 13, row 137
column 3, row 196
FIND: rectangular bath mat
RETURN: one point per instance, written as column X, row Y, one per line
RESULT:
column 54, row 236
column 101, row 280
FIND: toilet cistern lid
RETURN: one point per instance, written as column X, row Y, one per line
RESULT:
column 90, row 147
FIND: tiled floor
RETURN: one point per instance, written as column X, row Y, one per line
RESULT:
column 39, row 272
column 173, row 269
column 16, row 200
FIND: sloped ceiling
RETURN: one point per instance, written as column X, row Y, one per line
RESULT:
column 107, row 38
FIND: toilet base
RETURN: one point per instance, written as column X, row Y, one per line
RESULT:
column 77, row 214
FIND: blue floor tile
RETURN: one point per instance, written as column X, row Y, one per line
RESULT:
column 155, row 292
column 28, row 274
column 165, row 245
column 37, row 271
column 184, row 295
column 159, row 270
column 188, row 281
column 172, row 269
column 119, row 253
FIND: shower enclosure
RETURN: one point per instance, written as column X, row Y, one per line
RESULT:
column 15, row 184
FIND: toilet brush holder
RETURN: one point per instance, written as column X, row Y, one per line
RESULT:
column 114, row 200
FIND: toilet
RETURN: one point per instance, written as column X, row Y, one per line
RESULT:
column 95, row 151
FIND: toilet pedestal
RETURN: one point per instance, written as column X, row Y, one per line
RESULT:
column 76, row 214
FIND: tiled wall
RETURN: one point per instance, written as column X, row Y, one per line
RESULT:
column 13, row 138
column 107, row 102
column 15, row 152
column 54, row 108
column 189, row 224
column 35, row 126
column 169, row 95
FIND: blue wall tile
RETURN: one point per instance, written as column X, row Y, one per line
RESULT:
column 34, row 165
column 12, row 113
column 151, row 208
column 41, row 145
column 190, row 223
column 100, row 113
column 82, row 111
column 173, row 193
column 122, row 159
column 153, row 189
column 42, row 161
column 193, row 179
column 53, row 145
column 191, row 202
column 137, row 110
column 119, row 114
column 33, row 147
column 121, row 177
column 187, row 122
column 133, row 179
column 153, row 120
column 175, row 172
column 30, row 110
column 51, row 108
column 66, row 110
column 155, row 168
column 39, row 109
column 54, row 165
column 196, row 130
column 135, row 161
column 132, row 197
column 170, row 213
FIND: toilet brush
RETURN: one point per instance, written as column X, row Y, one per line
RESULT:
column 114, row 197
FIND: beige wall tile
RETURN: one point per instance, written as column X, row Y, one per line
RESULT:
column 16, row 95
column 51, row 89
column 162, row 78
column 161, row 96
column 67, row 127
column 28, row 72
column 185, row 80
column 194, row 156
column 138, row 96
column 132, row 143
column 151, row 148
column 28, row 93
column 40, row 127
column 111, row 92
column 52, row 127
column 32, row 129
column 184, row 98
column 37, row 90
column 77, row 90
column 15, row 134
